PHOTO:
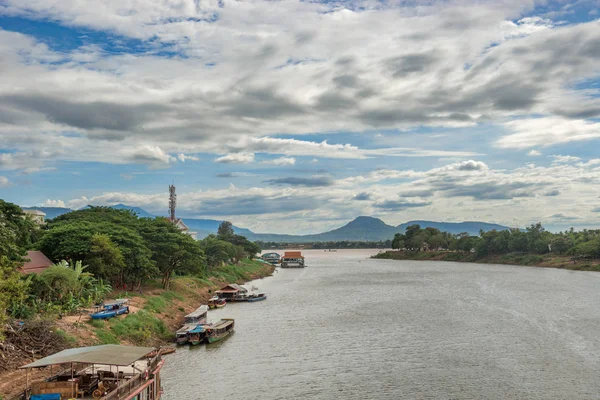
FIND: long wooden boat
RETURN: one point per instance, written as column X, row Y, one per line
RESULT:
column 219, row 330
column 181, row 336
column 108, row 313
column 198, row 334
column 257, row 297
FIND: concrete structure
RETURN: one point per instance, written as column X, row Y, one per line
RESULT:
column 36, row 215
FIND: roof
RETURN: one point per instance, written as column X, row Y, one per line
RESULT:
column 37, row 263
column 108, row 354
column 293, row 254
column 35, row 212
column 198, row 329
column 181, row 225
column 233, row 288
column 198, row 313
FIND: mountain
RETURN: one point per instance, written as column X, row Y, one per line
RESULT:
column 51, row 212
column 141, row 213
column 471, row 227
column 360, row 229
column 374, row 229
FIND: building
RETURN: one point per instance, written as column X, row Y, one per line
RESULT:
column 36, row 264
column 231, row 291
column 185, row 229
column 36, row 215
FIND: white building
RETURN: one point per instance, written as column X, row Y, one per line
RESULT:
column 36, row 215
column 185, row 229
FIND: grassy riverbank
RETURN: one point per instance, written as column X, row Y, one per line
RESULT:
column 155, row 315
column 525, row 259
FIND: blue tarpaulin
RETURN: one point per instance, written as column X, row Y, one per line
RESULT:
column 47, row 396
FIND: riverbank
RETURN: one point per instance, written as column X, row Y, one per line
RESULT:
column 155, row 314
column 525, row 259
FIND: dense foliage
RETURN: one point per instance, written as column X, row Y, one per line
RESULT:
column 96, row 249
column 534, row 239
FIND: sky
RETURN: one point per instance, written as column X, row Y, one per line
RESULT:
column 298, row 116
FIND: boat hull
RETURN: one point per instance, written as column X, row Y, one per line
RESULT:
column 216, row 338
column 261, row 298
column 103, row 315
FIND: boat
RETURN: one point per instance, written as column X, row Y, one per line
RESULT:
column 292, row 259
column 181, row 336
column 198, row 334
column 190, row 322
column 161, row 351
column 219, row 330
column 112, row 309
column 272, row 258
column 257, row 297
column 216, row 302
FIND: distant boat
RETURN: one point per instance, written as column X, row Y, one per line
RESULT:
column 257, row 297
column 216, row 302
column 219, row 330
column 273, row 258
column 292, row 259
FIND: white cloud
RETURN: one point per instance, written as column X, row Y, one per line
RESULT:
column 281, row 161
column 548, row 131
column 558, row 159
column 183, row 157
column 54, row 203
column 127, row 177
column 534, row 153
column 236, row 158
column 4, row 182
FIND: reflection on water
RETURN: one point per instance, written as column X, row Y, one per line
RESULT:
column 349, row 327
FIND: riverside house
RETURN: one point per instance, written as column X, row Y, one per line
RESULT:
column 231, row 292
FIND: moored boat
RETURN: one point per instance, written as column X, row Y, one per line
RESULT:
column 191, row 321
column 198, row 334
column 216, row 302
column 219, row 330
column 292, row 259
column 257, row 297
column 182, row 334
column 273, row 258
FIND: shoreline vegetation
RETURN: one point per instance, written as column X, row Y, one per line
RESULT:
column 522, row 259
column 100, row 254
column 533, row 246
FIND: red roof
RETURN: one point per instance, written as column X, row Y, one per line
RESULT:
column 293, row 254
column 37, row 263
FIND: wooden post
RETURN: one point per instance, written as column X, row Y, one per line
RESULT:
column 26, row 383
column 118, row 392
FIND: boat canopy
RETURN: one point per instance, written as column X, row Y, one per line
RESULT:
column 108, row 354
column 197, row 329
column 293, row 254
column 200, row 311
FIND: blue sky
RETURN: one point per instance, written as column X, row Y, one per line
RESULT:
column 296, row 117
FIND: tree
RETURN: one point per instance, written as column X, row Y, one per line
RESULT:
column 225, row 230
column 16, row 229
column 398, row 242
column 561, row 245
column 217, row 251
column 13, row 289
column 105, row 258
column 172, row 251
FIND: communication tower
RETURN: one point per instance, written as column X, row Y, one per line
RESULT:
column 172, row 203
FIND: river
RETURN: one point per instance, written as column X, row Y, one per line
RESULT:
column 350, row 327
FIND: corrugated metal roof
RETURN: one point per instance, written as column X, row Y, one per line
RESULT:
column 37, row 263
column 199, row 312
column 108, row 354
column 293, row 254
column 234, row 287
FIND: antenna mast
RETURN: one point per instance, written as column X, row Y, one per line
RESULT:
column 172, row 203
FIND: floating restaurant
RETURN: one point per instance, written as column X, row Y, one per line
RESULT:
column 232, row 292
column 292, row 259
column 106, row 372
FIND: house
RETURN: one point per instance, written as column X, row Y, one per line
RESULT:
column 36, row 215
column 36, row 264
column 231, row 291
column 185, row 229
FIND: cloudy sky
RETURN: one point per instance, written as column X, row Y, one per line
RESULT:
column 297, row 116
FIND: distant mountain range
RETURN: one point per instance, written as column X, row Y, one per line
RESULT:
column 360, row 229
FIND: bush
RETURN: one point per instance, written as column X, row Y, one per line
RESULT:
column 139, row 328
column 105, row 337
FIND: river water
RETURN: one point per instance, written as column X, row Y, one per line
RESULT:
column 350, row 327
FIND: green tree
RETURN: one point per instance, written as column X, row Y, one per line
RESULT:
column 217, row 251
column 398, row 242
column 172, row 251
column 225, row 230
column 105, row 258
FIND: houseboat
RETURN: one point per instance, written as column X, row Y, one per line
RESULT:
column 292, row 259
column 198, row 334
column 273, row 258
column 219, row 330
column 232, row 292
column 191, row 321
column 98, row 372
column 216, row 302
column 112, row 309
